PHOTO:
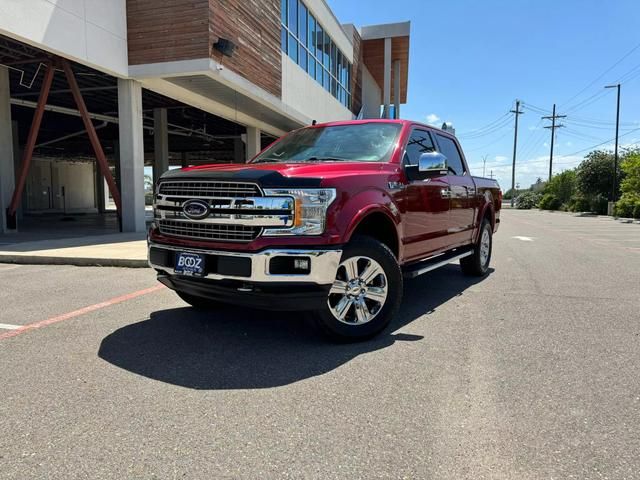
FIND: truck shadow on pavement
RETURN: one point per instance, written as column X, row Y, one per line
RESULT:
column 237, row 348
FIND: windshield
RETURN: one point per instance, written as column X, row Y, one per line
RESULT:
column 362, row 142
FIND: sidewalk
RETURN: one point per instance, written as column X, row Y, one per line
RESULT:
column 111, row 250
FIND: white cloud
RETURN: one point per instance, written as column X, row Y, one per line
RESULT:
column 500, row 158
column 570, row 144
column 433, row 119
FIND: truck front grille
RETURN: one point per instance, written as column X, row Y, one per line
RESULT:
column 209, row 189
column 237, row 211
column 208, row 231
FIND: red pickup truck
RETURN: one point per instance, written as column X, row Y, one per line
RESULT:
column 328, row 219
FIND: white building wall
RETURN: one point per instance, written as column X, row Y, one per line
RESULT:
column 304, row 94
column 371, row 95
column 91, row 32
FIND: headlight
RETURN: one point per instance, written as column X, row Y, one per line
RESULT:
column 310, row 214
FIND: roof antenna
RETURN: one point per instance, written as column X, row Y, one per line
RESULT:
column 313, row 123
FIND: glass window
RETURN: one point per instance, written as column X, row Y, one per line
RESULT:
column 319, row 40
column 312, row 66
column 302, row 57
column 283, row 11
column 293, row 48
column 334, row 60
column 311, row 40
column 326, row 50
column 326, row 80
column 283, row 39
column 293, row 19
column 363, row 142
column 450, row 150
column 420, row 142
column 302, row 22
column 334, row 87
column 319, row 72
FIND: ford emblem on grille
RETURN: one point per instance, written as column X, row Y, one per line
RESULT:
column 196, row 209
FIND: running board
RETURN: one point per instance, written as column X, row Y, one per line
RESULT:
column 433, row 263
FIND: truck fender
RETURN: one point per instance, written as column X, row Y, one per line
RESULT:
column 366, row 204
column 485, row 209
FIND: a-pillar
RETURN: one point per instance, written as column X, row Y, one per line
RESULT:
column 131, row 155
column 161, row 143
column 396, row 89
column 7, row 172
column 253, row 142
column 386, row 91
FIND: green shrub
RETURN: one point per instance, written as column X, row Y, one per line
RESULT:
column 598, row 204
column 579, row 203
column 625, row 207
column 549, row 202
column 527, row 200
column 636, row 211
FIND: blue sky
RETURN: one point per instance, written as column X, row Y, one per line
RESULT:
column 470, row 60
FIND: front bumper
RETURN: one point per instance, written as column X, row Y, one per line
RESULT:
column 252, row 267
column 248, row 279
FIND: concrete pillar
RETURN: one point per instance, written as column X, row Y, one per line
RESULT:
column 17, row 160
column 7, row 172
column 396, row 88
column 161, row 143
column 386, row 90
column 131, row 155
column 253, row 142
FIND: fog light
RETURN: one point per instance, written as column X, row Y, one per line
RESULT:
column 285, row 265
column 301, row 264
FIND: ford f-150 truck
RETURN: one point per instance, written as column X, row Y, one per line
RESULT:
column 327, row 219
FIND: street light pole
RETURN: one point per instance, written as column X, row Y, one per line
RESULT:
column 614, row 193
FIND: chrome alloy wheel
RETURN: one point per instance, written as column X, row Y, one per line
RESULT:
column 359, row 291
column 485, row 247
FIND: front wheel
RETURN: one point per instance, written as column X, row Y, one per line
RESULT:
column 477, row 264
column 366, row 293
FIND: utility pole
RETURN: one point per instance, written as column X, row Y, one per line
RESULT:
column 553, row 127
column 517, row 113
column 615, row 158
column 484, row 165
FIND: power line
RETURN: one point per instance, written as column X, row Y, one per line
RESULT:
column 485, row 127
column 597, row 79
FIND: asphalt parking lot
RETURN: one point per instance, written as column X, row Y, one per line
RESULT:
column 529, row 373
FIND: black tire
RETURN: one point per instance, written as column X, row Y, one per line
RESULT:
column 382, row 312
column 199, row 303
column 477, row 265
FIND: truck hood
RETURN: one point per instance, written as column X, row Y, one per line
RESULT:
column 309, row 174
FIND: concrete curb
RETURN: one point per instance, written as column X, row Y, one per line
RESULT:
column 76, row 261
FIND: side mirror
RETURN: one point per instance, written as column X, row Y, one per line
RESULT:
column 432, row 163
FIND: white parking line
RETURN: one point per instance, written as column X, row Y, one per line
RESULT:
column 6, row 326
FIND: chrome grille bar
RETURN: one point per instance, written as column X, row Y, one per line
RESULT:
column 208, row 189
column 205, row 231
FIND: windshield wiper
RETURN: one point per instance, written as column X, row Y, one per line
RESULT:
column 267, row 160
column 326, row 159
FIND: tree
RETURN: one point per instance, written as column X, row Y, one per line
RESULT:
column 630, row 185
column 148, row 183
column 562, row 186
column 595, row 175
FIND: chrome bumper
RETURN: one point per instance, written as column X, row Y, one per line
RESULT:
column 324, row 264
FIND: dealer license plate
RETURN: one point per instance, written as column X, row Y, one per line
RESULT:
column 190, row 264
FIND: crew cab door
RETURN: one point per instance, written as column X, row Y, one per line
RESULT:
column 424, row 201
column 462, row 212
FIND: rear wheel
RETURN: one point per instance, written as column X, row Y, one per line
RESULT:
column 199, row 303
column 478, row 263
column 366, row 293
